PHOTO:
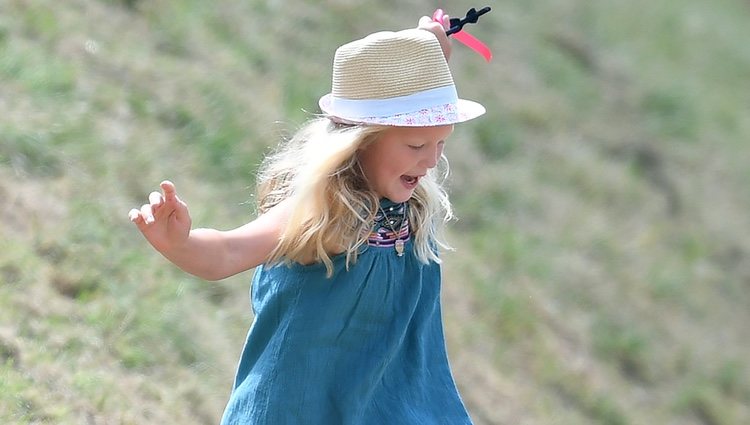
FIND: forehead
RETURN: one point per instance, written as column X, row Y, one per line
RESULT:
column 425, row 134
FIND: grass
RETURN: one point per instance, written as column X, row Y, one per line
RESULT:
column 602, row 238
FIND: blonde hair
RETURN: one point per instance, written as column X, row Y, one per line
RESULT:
column 318, row 171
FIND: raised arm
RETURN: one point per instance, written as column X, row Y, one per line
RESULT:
column 207, row 253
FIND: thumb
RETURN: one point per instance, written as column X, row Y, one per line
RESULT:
column 171, row 198
column 170, row 192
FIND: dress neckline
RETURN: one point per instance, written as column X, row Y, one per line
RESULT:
column 391, row 224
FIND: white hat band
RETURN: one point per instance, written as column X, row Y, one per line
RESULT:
column 362, row 108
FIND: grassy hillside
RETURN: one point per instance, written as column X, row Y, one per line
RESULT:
column 601, row 274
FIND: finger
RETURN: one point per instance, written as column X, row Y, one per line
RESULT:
column 424, row 22
column 147, row 213
column 155, row 199
column 170, row 193
column 134, row 215
column 446, row 22
column 429, row 24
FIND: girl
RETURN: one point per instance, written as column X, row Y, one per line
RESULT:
column 347, row 326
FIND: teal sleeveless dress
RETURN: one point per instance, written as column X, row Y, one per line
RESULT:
column 365, row 346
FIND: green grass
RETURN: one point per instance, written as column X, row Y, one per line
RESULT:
column 602, row 201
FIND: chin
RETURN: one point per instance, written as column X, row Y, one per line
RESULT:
column 398, row 198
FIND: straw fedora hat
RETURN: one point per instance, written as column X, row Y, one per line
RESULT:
column 395, row 78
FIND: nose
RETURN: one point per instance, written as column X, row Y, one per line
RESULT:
column 432, row 156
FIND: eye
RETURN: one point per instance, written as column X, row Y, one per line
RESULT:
column 417, row 147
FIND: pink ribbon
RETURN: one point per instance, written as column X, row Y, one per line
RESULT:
column 464, row 37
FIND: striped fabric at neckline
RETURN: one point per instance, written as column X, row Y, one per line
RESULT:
column 396, row 218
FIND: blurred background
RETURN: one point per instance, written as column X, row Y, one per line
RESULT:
column 601, row 271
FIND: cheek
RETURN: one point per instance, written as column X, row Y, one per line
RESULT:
column 374, row 167
column 383, row 163
column 367, row 160
column 400, row 166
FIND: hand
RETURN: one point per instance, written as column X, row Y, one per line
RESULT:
column 438, row 28
column 165, row 220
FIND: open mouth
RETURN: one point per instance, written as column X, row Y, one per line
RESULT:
column 410, row 181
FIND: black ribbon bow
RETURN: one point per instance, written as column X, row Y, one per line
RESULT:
column 472, row 16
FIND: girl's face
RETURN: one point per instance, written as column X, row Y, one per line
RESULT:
column 394, row 163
